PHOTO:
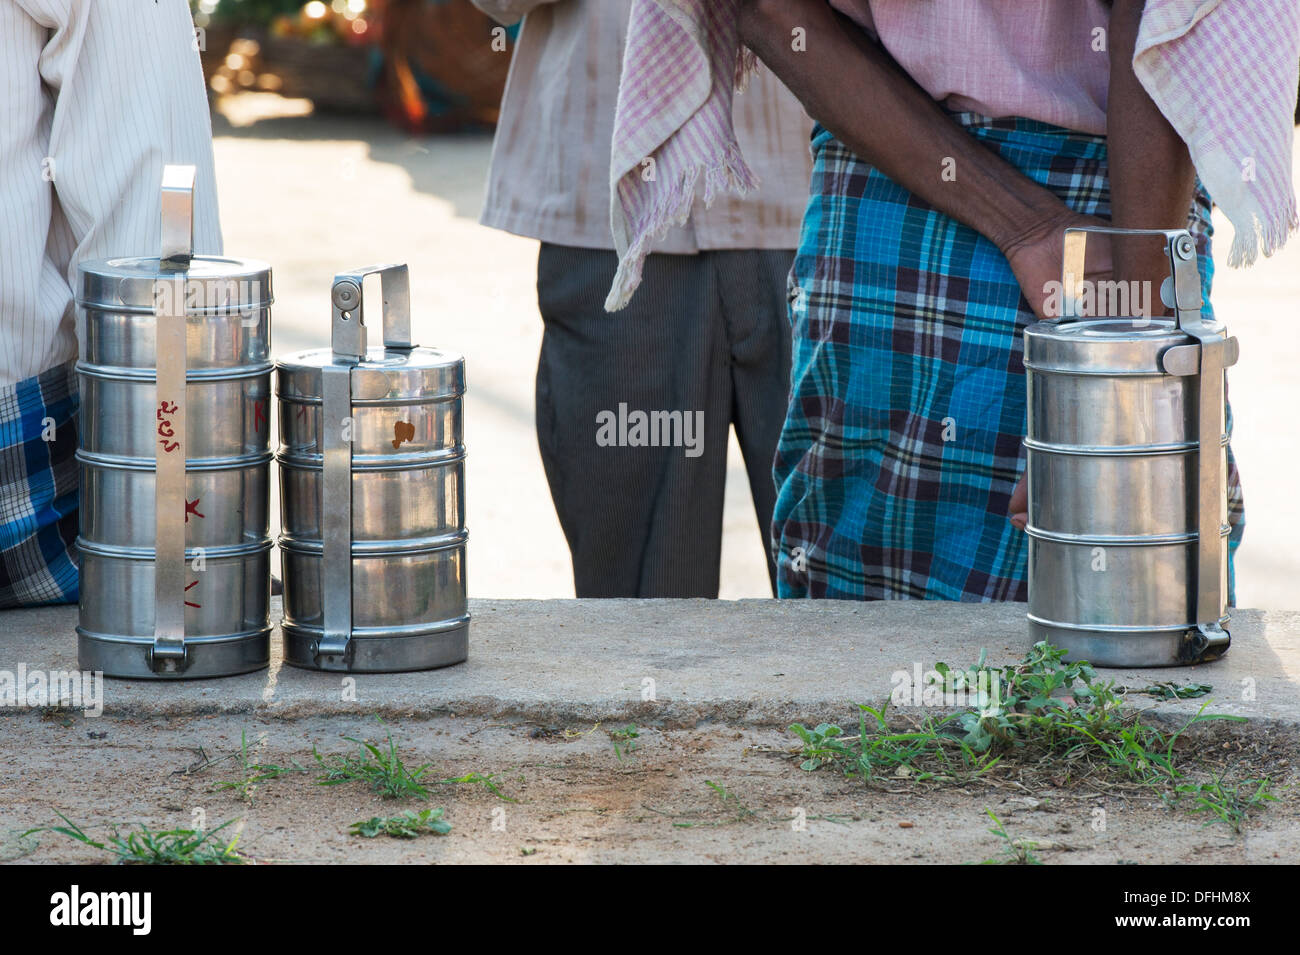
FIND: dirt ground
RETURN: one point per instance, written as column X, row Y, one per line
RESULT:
column 575, row 799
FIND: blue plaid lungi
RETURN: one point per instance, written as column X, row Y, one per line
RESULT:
column 902, row 442
column 38, row 489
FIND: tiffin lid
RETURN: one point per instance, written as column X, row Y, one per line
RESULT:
column 1103, row 346
column 387, row 374
column 211, row 283
column 1124, row 344
column 396, row 371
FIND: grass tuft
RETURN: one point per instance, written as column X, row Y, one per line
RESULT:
column 144, row 846
column 1043, row 708
column 378, row 766
column 252, row 774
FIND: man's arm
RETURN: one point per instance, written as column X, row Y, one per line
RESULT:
column 853, row 87
column 1151, row 173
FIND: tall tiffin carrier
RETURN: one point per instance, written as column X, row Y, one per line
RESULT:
column 1127, row 473
column 372, row 491
column 174, row 451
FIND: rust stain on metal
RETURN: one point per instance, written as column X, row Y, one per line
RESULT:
column 403, row 431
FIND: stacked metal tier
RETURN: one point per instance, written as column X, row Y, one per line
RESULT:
column 175, row 456
column 372, row 483
column 1125, row 457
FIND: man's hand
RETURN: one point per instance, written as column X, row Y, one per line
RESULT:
column 1036, row 258
column 1018, row 508
column 855, row 89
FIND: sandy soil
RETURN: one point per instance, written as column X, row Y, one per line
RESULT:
column 577, row 800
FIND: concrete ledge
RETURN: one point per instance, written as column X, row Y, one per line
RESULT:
column 751, row 662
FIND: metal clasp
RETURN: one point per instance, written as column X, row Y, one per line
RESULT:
column 1181, row 291
column 348, row 340
column 1204, row 643
column 348, row 333
column 168, row 656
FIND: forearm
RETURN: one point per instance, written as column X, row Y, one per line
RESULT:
column 853, row 87
column 1151, row 173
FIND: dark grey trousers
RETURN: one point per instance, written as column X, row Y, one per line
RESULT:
column 637, row 487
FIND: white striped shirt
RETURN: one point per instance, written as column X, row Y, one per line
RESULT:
column 96, row 96
column 549, row 177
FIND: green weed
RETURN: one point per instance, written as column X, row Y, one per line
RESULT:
column 731, row 801
column 487, row 781
column 251, row 774
column 1230, row 804
column 624, row 741
column 167, row 847
column 1175, row 691
column 405, row 825
column 1014, row 851
column 379, row 767
column 932, row 752
column 1042, row 706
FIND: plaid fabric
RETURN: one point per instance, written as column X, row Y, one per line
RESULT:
column 38, row 489
column 902, row 443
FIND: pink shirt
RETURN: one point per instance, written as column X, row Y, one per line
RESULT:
column 1041, row 59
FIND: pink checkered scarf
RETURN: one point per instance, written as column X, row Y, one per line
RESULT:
column 673, row 124
column 1222, row 71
